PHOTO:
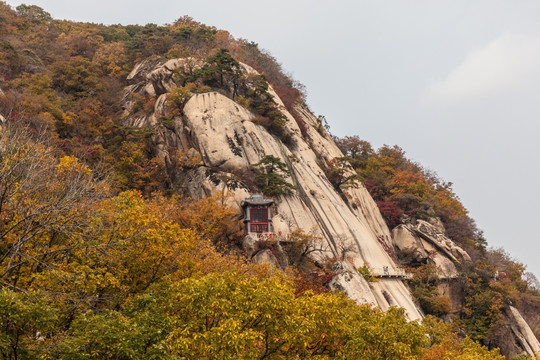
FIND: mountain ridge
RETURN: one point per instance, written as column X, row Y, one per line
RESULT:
column 177, row 110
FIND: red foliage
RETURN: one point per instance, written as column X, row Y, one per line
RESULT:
column 327, row 277
column 386, row 247
column 391, row 212
column 262, row 120
column 376, row 189
column 288, row 95
column 314, row 280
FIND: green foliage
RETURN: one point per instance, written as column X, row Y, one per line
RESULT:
column 444, row 343
column 483, row 302
column 89, row 62
column 290, row 91
column 136, row 279
column 221, row 70
column 391, row 178
column 262, row 103
column 26, row 320
column 109, row 335
column 231, row 315
column 129, row 150
column 10, row 61
column 301, row 246
column 222, row 64
column 366, row 273
column 424, row 288
column 33, row 13
column 179, row 96
column 340, row 173
column 270, row 177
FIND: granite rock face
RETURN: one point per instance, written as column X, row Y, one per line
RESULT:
column 352, row 283
column 424, row 242
column 524, row 341
column 223, row 138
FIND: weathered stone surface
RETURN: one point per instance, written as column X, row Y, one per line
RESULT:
column 425, row 243
column 266, row 257
column 352, row 283
column 438, row 224
column 249, row 245
column 430, row 233
column 452, row 288
column 522, row 332
column 409, row 244
column 141, row 69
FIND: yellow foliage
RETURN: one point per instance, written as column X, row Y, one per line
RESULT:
column 112, row 58
column 406, row 181
column 69, row 165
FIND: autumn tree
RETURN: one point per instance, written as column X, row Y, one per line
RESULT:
column 356, row 149
column 43, row 199
column 77, row 77
column 33, row 13
column 231, row 315
column 340, row 173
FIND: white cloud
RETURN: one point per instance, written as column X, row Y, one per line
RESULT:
column 503, row 66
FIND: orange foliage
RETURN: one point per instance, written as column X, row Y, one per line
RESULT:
column 210, row 217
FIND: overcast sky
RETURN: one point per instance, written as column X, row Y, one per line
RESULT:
column 454, row 83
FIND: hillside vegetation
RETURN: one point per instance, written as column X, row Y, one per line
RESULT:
column 405, row 191
column 102, row 256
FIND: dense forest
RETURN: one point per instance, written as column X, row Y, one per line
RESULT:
column 103, row 256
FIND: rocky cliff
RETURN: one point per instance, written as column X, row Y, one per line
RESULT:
column 218, row 138
column 222, row 134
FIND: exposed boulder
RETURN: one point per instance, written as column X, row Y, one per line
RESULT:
column 523, row 340
column 249, row 245
column 266, row 257
column 437, row 224
column 426, row 243
column 141, row 69
column 432, row 234
column 409, row 245
column 348, row 280
column 264, row 250
column 384, row 293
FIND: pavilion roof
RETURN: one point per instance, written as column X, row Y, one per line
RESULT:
column 257, row 199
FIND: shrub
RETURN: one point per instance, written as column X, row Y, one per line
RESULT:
column 391, row 213
column 179, row 96
column 366, row 273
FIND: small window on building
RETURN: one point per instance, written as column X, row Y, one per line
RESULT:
column 259, row 220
